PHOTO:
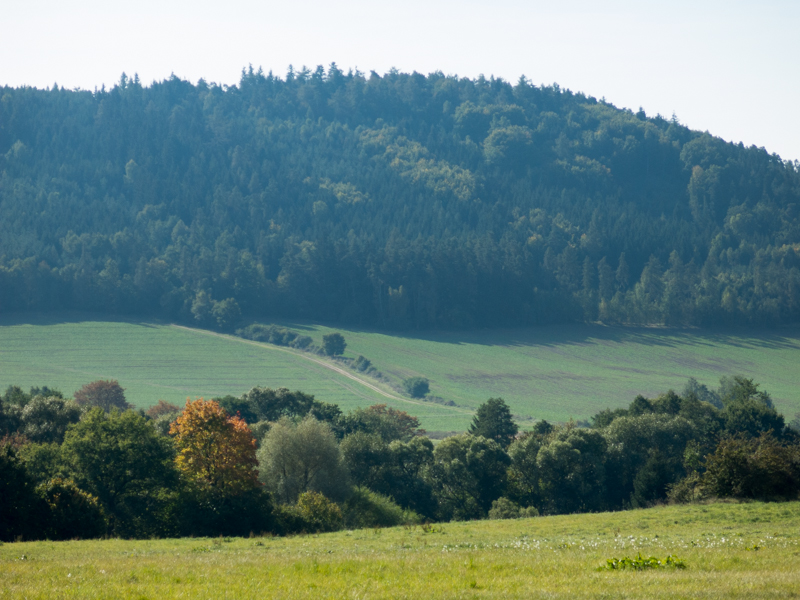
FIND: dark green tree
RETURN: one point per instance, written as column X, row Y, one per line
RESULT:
column 20, row 507
column 121, row 459
column 333, row 344
column 493, row 421
column 573, row 472
column 467, row 474
column 416, row 387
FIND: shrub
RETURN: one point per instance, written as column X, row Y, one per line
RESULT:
column 301, row 342
column 73, row 513
column 503, row 508
column 688, row 489
column 365, row 508
column 288, row 520
column 319, row 513
column 416, row 387
column 272, row 334
column 362, row 364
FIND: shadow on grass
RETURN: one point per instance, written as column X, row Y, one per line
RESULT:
column 570, row 334
column 581, row 334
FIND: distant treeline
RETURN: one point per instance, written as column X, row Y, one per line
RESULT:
column 397, row 201
column 282, row 462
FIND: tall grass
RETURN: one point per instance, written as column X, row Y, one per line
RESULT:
column 730, row 551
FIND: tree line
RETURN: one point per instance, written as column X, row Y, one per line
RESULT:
column 283, row 462
column 397, row 201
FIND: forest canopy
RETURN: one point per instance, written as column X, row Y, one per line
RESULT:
column 397, row 201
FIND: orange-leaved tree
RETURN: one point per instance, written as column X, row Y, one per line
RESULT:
column 215, row 451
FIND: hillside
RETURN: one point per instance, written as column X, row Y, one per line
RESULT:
column 730, row 550
column 554, row 373
column 399, row 201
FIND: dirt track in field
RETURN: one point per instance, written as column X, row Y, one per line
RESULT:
column 322, row 363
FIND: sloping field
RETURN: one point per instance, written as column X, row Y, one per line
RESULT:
column 558, row 372
column 547, row 372
column 155, row 362
column 729, row 550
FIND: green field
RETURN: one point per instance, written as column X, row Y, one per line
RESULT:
column 547, row 372
column 730, row 551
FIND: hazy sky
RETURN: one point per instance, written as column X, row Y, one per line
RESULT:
column 730, row 67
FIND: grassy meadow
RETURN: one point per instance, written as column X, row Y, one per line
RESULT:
column 730, row 551
column 553, row 372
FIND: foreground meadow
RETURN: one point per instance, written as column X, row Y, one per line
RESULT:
column 731, row 550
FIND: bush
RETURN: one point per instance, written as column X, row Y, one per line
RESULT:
column 416, row 387
column 288, row 520
column 301, row 342
column 366, row 508
column 319, row 513
column 204, row 513
column 688, row 489
column 272, row 334
column 503, row 508
column 362, row 364
column 73, row 513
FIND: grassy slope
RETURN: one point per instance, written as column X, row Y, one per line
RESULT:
column 548, row 557
column 547, row 372
column 157, row 361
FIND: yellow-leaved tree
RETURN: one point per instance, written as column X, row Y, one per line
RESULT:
column 216, row 452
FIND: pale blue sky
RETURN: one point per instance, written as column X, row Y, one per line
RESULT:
column 727, row 67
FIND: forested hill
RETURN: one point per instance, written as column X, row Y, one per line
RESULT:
column 397, row 201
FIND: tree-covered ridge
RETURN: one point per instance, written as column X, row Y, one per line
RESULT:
column 395, row 201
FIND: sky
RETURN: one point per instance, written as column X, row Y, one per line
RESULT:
column 728, row 67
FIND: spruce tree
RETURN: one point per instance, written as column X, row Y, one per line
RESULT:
column 493, row 421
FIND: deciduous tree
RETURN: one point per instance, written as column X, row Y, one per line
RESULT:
column 333, row 344
column 120, row 459
column 296, row 458
column 215, row 451
column 105, row 394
